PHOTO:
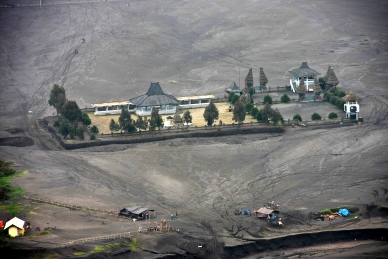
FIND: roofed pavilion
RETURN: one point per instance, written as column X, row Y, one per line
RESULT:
column 155, row 97
column 303, row 73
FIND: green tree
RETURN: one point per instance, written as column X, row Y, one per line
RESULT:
column 333, row 115
column 251, row 91
column 113, row 126
column 187, row 117
column 125, row 121
column 340, row 104
column 297, row 117
column 141, row 123
column 254, row 112
column 80, row 131
column 230, row 97
column 234, row 99
column 85, row 119
column 266, row 112
column 316, row 116
column 268, row 99
column 285, row 98
column 249, row 107
column 259, row 116
column 57, row 97
column 156, row 120
column 94, row 129
column 210, row 114
column 239, row 112
column 92, row 137
column 71, row 111
column 277, row 117
column 65, row 127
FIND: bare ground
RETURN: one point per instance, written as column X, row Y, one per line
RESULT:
column 197, row 48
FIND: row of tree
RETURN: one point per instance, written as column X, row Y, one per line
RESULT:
column 71, row 121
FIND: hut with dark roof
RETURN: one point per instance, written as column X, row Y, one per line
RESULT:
column 303, row 73
column 330, row 78
column 233, row 88
column 155, row 97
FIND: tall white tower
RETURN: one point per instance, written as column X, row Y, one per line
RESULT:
column 351, row 107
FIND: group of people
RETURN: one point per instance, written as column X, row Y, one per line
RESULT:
column 151, row 228
column 273, row 218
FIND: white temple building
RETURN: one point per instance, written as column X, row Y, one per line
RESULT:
column 305, row 73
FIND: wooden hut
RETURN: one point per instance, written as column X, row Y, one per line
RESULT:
column 15, row 227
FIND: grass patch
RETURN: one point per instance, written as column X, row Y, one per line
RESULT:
column 80, row 253
column 264, row 232
column 7, row 191
column 106, row 248
column 351, row 209
column 103, row 223
column 353, row 216
column 133, row 244
column 43, row 233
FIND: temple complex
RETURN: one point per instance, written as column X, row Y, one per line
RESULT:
column 351, row 107
column 303, row 73
column 330, row 78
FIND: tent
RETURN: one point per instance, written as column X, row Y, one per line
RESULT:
column 15, row 227
column 263, row 212
column 344, row 212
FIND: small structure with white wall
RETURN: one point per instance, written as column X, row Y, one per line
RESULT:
column 15, row 227
column 198, row 101
column 108, row 108
column 351, row 107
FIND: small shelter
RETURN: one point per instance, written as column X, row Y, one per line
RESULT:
column 330, row 78
column 233, row 89
column 155, row 97
column 351, row 107
column 263, row 212
column 303, row 73
column 197, row 101
column 108, row 108
column 134, row 212
column 15, row 227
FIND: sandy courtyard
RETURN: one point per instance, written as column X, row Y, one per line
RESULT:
column 196, row 48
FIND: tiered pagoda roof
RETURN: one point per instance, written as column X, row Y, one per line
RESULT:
column 304, row 71
column 330, row 77
column 154, row 97
column 317, row 87
column 249, row 79
column 263, row 78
